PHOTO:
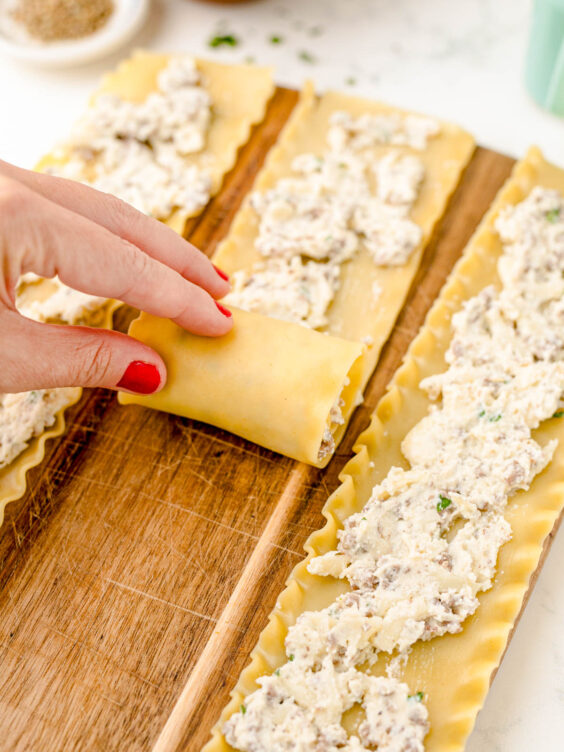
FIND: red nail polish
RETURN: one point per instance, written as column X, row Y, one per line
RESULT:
column 222, row 309
column 221, row 273
column 140, row 377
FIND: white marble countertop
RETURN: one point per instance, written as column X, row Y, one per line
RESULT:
column 462, row 61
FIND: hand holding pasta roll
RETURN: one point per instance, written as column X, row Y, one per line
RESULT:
column 99, row 245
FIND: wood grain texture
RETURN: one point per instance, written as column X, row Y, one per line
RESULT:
column 149, row 549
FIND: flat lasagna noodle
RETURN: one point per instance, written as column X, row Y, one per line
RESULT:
column 453, row 697
column 354, row 313
column 270, row 381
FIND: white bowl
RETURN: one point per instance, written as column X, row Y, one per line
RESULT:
column 126, row 20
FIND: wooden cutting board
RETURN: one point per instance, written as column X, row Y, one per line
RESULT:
column 145, row 537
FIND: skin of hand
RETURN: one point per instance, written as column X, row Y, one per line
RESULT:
column 99, row 245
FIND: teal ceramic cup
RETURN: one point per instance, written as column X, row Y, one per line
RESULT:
column 544, row 67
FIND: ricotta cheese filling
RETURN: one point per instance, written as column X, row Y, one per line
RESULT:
column 333, row 205
column 24, row 416
column 299, row 708
column 374, row 130
column 138, row 150
column 289, row 289
column 427, row 541
column 335, row 419
column 63, row 305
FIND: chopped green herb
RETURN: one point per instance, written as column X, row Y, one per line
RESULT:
column 443, row 503
column 290, row 657
column 491, row 418
column 223, row 40
column 277, row 672
column 274, row 39
column 350, row 81
column 243, row 709
column 418, row 697
column 363, row 518
column 558, row 414
column 553, row 215
column 316, row 31
column 306, row 56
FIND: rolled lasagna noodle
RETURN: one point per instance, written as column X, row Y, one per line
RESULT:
column 453, row 697
column 270, row 381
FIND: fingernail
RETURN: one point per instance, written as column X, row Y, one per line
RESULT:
column 221, row 273
column 140, row 377
column 222, row 309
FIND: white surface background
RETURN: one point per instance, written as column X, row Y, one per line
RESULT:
column 458, row 59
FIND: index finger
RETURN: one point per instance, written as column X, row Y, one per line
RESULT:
column 47, row 239
column 151, row 236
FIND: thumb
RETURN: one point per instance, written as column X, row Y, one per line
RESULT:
column 42, row 356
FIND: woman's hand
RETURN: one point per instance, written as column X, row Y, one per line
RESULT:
column 102, row 246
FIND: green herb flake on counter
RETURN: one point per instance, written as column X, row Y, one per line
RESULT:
column 223, row 40
column 306, row 56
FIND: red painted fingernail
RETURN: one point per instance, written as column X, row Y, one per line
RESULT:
column 222, row 309
column 221, row 273
column 140, row 377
